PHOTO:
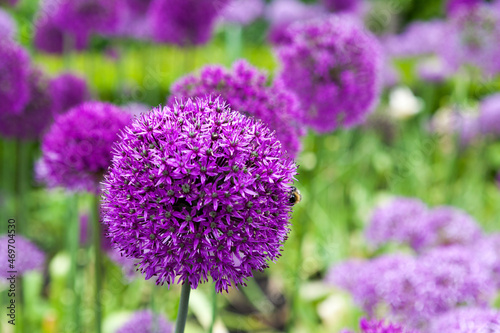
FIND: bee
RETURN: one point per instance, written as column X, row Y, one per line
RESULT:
column 294, row 196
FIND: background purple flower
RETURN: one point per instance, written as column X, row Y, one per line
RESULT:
column 453, row 6
column 197, row 189
column 489, row 115
column 488, row 254
column 77, row 149
column 36, row 116
column 380, row 326
column 246, row 89
column 242, row 12
column 14, row 72
column 133, row 20
column 8, row 26
column 467, row 319
column 143, row 321
column 184, row 22
column 282, row 13
column 333, row 65
column 68, row 90
column 349, row 6
column 28, row 256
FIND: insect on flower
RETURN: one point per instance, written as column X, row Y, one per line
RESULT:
column 294, row 196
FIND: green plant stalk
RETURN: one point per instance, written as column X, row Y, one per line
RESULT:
column 214, row 310
column 180, row 324
column 97, row 262
column 234, row 42
column 73, row 237
column 154, row 323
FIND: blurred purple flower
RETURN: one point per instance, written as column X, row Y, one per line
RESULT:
column 77, row 149
column 242, row 12
column 488, row 253
column 14, row 72
column 68, row 90
column 146, row 322
column 380, row 326
column 467, row 319
column 334, row 67
column 184, row 22
column 134, row 21
column 463, row 123
column 197, row 189
column 282, row 13
column 8, row 26
column 348, row 6
column 433, row 69
column 246, row 89
column 489, row 115
column 453, row 6
column 28, row 256
column 36, row 116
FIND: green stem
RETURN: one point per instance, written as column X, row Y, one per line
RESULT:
column 214, row 310
column 183, row 308
column 154, row 323
column 234, row 44
column 97, row 262
column 73, row 244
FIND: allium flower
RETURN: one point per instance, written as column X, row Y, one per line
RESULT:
column 87, row 16
column 68, row 90
column 380, row 326
column 333, row 65
column 197, row 189
column 488, row 253
column 49, row 37
column 419, row 38
column 184, row 22
column 36, row 116
column 282, row 13
column 8, row 27
column 348, row 6
column 246, row 90
column 28, row 256
column 472, row 37
column 242, row 12
column 402, row 220
column 465, row 320
column 489, row 115
column 146, row 322
column 133, row 21
column 433, row 69
column 77, row 149
column 453, row 6
column 14, row 72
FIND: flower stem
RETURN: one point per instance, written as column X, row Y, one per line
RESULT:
column 183, row 308
column 214, row 309
column 98, row 262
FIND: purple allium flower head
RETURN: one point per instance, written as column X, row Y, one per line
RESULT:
column 348, row 6
column 419, row 38
column 401, row 220
column 488, row 253
column 282, row 13
column 36, row 116
column 87, row 16
column 134, row 21
column 8, row 27
column 146, row 322
column 68, row 90
column 451, row 226
column 245, row 88
column 242, row 12
column 453, row 6
column 77, row 149
column 334, row 67
column 472, row 37
column 489, row 115
column 467, row 320
column 49, row 37
column 28, row 256
column 14, row 73
column 380, row 326
column 197, row 189
column 184, row 22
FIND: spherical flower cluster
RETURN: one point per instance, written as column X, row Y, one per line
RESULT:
column 467, row 319
column 77, row 149
column 14, row 72
column 337, row 6
column 146, row 322
column 334, row 67
column 419, row 38
column 380, row 326
column 453, row 6
column 488, row 253
column 68, row 90
column 245, row 88
column 133, row 20
column 36, row 116
column 184, row 22
column 8, row 27
column 489, row 115
column 282, row 13
column 197, row 189
column 49, row 37
column 28, row 256
column 409, row 221
column 419, row 288
column 472, row 37
column 242, row 12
